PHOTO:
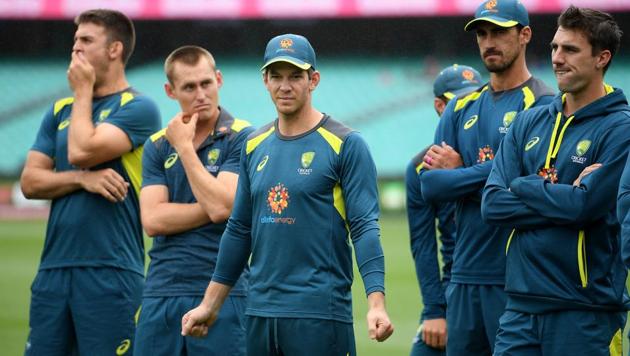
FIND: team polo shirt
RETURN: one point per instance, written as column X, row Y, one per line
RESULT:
column 474, row 126
column 85, row 229
column 421, row 216
column 182, row 264
column 564, row 252
column 300, row 203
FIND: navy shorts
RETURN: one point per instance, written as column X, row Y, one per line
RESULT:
column 160, row 326
column 472, row 317
column 299, row 337
column 83, row 310
column 569, row 332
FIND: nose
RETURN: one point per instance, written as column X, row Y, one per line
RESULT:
column 284, row 85
column 557, row 57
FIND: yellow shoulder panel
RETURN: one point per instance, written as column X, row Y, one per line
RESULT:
column 158, row 134
column 239, row 124
column 254, row 142
column 334, row 141
column 609, row 88
column 59, row 104
column 528, row 98
column 339, row 203
column 461, row 103
column 125, row 98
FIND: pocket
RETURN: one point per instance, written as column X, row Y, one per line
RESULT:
column 581, row 258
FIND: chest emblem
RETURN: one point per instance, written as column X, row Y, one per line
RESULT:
column 307, row 159
column 471, row 122
column 213, row 156
column 507, row 121
column 485, row 154
column 531, row 143
column 170, row 161
column 580, row 150
column 278, row 198
column 262, row 163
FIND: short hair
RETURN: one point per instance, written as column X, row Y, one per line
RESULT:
column 309, row 71
column 117, row 26
column 600, row 29
column 189, row 55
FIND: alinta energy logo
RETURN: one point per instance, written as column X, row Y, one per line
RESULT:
column 485, row 154
column 286, row 43
column 550, row 174
column 277, row 201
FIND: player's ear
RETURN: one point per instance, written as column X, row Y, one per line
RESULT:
column 115, row 50
column 219, row 78
column 439, row 105
column 168, row 89
column 602, row 59
column 315, row 78
column 525, row 35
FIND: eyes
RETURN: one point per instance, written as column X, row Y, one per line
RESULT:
column 190, row 87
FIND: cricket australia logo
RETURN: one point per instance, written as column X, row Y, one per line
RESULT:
column 307, row 159
column 507, row 121
column 213, row 157
column 580, row 150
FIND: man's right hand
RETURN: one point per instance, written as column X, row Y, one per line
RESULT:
column 106, row 182
column 434, row 333
column 196, row 322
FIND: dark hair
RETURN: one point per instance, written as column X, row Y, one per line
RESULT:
column 189, row 55
column 599, row 27
column 117, row 26
column 309, row 72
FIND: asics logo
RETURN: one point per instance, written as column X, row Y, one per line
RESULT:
column 471, row 122
column 63, row 124
column 170, row 161
column 262, row 163
column 123, row 348
column 532, row 143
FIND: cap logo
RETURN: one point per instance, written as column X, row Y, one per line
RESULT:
column 468, row 74
column 491, row 4
column 286, row 43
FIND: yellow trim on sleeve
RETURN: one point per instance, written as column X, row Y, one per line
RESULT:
column 334, row 141
column 616, row 344
column 239, row 124
column 132, row 162
column 419, row 167
column 61, row 103
column 254, row 142
column 581, row 254
column 158, row 134
column 339, row 203
column 509, row 241
column 125, row 98
column 461, row 103
column 528, row 98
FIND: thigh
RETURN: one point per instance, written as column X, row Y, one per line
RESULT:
column 155, row 333
column 303, row 337
column 51, row 331
column 227, row 334
column 104, row 303
column 517, row 335
column 493, row 299
column 587, row 333
column 260, row 336
column 464, row 319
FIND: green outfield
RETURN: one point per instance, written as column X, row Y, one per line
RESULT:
column 20, row 247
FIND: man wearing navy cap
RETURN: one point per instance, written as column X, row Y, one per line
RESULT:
column 458, row 164
column 431, row 336
column 307, row 187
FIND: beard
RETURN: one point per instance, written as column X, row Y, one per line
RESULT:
column 501, row 66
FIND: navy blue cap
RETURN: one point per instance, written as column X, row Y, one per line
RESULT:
column 456, row 80
column 504, row 13
column 290, row 48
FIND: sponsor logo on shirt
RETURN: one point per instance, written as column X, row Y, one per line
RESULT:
column 485, row 154
column 170, row 160
column 63, row 124
column 262, row 163
column 307, row 159
column 550, row 174
column 123, row 347
column 471, row 122
column 277, row 201
column 507, row 121
column 531, row 143
column 213, row 157
column 580, row 150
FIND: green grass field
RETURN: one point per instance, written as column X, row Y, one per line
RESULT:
column 20, row 248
